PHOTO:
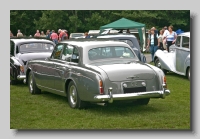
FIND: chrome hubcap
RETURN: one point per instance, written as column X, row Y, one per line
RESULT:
column 31, row 84
column 73, row 95
column 158, row 64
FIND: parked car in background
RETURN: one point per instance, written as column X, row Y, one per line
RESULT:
column 130, row 39
column 178, row 58
column 24, row 49
column 96, row 71
column 76, row 35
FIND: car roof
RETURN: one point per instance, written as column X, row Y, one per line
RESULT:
column 21, row 40
column 92, row 42
column 187, row 34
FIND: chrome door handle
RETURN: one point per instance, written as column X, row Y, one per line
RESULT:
column 78, row 74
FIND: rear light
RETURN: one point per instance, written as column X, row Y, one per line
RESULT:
column 101, row 89
column 22, row 69
column 164, row 82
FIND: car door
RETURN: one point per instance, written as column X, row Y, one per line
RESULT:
column 49, row 68
column 76, row 70
column 12, row 66
column 181, row 53
column 62, row 68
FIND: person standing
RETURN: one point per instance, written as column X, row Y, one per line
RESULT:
column 164, row 39
column 60, row 32
column 37, row 34
column 170, row 37
column 54, row 37
column 128, row 31
column 153, row 42
column 42, row 34
column 11, row 34
column 48, row 34
column 19, row 34
column 160, row 38
column 87, row 36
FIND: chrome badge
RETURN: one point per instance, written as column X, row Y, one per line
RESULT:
column 143, row 84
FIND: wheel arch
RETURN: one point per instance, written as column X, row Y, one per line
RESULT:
column 187, row 70
column 155, row 59
column 67, row 85
column 27, row 73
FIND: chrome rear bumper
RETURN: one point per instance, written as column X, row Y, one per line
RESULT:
column 111, row 97
column 22, row 77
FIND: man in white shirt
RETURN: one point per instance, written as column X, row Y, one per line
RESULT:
column 164, row 40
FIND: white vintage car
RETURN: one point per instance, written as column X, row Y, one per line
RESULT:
column 178, row 58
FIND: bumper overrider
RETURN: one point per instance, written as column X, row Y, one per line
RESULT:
column 151, row 94
column 22, row 77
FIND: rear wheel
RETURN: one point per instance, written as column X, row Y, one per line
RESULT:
column 188, row 73
column 14, row 81
column 143, row 101
column 158, row 64
column 33, row 89
column 73, row 97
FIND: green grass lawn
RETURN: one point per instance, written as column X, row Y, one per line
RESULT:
column 49, row 111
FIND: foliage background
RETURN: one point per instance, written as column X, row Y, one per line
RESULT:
column 28, row 21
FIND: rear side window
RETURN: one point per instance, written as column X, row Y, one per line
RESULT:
column 185, row 42
column 178, row 41
column 110, row 52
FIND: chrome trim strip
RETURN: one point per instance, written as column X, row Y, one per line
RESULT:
column 151, row 94
column 50, row 88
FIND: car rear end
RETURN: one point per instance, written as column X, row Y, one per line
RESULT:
column 139, row 86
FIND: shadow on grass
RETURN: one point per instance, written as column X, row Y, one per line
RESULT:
column 119, row 108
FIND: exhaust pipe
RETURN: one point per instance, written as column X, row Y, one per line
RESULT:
column 102, row 104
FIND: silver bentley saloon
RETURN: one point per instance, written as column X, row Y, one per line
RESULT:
column 96, row 71
column 178, row 58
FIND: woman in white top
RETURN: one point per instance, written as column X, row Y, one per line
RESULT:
column 160, row 38
column 171, row 37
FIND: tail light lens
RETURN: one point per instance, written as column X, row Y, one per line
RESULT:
column 22, row 69
column 101, row 89
column 164, row 82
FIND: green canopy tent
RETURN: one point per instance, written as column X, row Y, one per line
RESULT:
column 124, row 23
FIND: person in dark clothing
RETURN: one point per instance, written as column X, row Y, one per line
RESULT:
column 87, row 36
column 121, row 31
column 153, row 42
column 128, row 31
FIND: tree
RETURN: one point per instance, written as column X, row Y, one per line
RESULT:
column 23, row 20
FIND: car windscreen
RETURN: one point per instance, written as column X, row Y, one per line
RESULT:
column 110, row 52
column 36, row 47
